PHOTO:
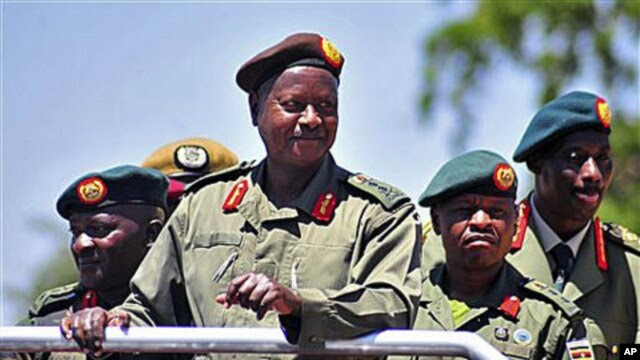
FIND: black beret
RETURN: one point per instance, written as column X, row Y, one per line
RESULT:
column 570, row 112
column 302, row 49
column 477, row 172
column 126, row 184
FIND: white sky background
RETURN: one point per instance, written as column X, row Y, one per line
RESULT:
column 86, row 86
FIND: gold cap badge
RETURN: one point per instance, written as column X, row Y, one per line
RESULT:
column 603, row 111
column 503, row 177
column 331, row 53
column 91, row 191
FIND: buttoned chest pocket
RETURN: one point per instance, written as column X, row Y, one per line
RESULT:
column 323, row 267
column 216, row 257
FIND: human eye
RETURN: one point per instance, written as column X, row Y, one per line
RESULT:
column 292, row 106
column 99, row 230
column 576, row 157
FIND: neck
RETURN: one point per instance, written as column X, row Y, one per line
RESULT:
column 114, row 296
column 562, row 225
column 469, row 284
column 285, row 183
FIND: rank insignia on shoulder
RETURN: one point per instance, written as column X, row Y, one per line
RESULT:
column 579, row 349
column 510, row 306
column 235, row 196
column 388, row 195
column 91, row 191
column 324, row 207
column 522, row 337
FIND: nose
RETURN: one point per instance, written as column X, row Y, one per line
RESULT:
column 310, row 117
column 82, row 243
column 590, row 171
column 480, row 220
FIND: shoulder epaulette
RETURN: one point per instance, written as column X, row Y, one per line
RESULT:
column 388, row 195
column 551, row 295
column 622, row 236
column 427, row 228
column 55, row 299
column 222, row 175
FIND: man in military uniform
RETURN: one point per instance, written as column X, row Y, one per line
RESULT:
column 114, row 217
column 294, row 241
column 560, row 241
column 473, row 211
column 185, row 161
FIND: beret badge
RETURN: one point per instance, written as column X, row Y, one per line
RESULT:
column 603, row 111
column 503, row 177
column 191, row 157
column 91, row 191
column 331, row 53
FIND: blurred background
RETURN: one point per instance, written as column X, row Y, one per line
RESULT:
column 90, row 85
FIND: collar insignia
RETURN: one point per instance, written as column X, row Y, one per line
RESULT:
column 324, row 207
column 91, row 191
column 235, row 196
column 510, row 306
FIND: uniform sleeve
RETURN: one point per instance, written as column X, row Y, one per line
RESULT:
column 562, row 330
column 158, row 296
column 384, row 284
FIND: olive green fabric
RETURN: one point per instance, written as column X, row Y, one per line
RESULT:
column 125, row 184
column 611, row 297
column 478, row 172
column 356, row 273
column 570, row 112
column 547, row 320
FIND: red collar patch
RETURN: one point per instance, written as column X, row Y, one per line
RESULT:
column 324, row 207
column 601, row 246
column 235, row 196
column 89, row 299
column 510, row 306
column 523, row 221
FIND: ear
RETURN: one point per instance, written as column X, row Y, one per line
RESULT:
column 153, row 229
column 254, row 106
column 435, row 220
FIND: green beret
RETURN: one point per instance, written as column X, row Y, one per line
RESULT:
column 570, row 112
column 126, row 184
column 296, row 50
column 477, row 172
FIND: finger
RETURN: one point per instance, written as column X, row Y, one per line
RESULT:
column 221, row 299
column 65, row 327
column 97, row 323
column 234, row 285
column 255, row 298
column 244, row 292
column 118, row 318
column 77, row 330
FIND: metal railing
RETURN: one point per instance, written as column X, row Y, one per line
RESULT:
column 254, row 340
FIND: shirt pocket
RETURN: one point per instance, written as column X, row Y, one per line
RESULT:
column 218, row 253
column 322, row 267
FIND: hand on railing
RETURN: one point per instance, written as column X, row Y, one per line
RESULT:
column 86, row 327
column 260, row 293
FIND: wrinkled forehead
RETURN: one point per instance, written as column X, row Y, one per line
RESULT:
column 590, row 140
column 114, row 212
column 300, row 75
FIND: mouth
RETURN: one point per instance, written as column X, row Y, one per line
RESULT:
column 84, row 263
column 479, row 240
column 588, row 195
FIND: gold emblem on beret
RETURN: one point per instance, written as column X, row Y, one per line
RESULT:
column 503, row 177
column 331, row 53
column 91, row 191
column 603, row 111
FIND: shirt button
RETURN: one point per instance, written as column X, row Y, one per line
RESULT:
column 313, row 339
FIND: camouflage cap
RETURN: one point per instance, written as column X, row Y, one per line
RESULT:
column 570, row 112
column 302, row 49
column 477, row 172
column 126, row 184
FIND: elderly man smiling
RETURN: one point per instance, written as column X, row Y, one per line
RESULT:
column 295, row 240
